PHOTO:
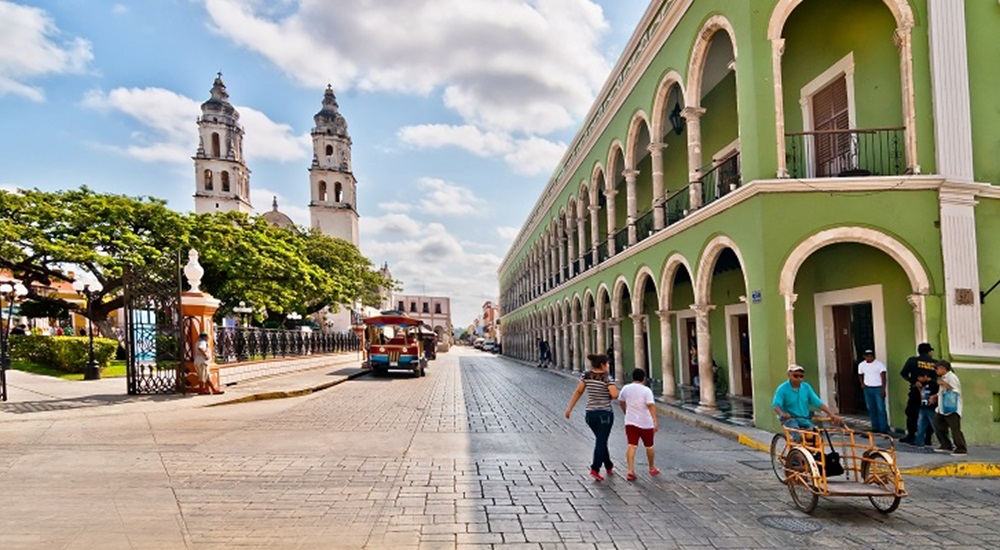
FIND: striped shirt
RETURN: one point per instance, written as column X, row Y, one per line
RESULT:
column 598, row 396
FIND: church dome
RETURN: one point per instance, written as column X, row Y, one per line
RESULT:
column 277, row 218
column 219, row 103
column 329, row 119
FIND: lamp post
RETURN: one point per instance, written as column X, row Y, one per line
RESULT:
column 294, row 317
column 244, row 311
column 89, row 287
column 9, row 292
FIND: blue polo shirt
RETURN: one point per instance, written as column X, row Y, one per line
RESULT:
column 796, row 402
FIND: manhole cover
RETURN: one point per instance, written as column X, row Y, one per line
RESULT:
column 763, row 465
column 705, row 477
column 790, row 524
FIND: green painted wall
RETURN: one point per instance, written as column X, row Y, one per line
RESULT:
column 982, row 21
column 720, row 124
column 987, row 228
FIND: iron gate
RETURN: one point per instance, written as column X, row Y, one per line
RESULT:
column 154, row 328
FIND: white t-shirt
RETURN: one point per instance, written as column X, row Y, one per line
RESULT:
column 872, row 372
column 637, row 399
column 205, row 356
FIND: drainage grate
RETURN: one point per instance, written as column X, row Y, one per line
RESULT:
column 705, row 477
column 790, row 524
column 763, row 465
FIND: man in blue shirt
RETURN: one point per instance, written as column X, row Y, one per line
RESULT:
column 795, row 399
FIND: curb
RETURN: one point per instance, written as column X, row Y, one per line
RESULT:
column 956, row 469
column 289, row 393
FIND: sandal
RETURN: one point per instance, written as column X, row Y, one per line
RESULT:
column 631, row 477
column 596, row 475
column 654, row 471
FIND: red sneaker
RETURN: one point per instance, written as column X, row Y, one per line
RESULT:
column 611, row 471
column 596, row 475
column 654, row 471
column 631, row 477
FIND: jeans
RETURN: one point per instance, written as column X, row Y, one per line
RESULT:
column 925, row 426
column 876, row 409
column 600, row 423
column 797, row 424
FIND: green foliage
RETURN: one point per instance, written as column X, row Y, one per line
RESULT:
column 65, row 353
column 34, row 309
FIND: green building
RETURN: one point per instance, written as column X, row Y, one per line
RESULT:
column 762, row 182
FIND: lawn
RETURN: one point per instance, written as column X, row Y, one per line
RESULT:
column 115, row 369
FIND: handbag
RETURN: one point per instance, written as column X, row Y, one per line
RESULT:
column 832, row 460
column 949, row 402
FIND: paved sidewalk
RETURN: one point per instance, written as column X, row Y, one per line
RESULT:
column 33, row 394
column 915, row 461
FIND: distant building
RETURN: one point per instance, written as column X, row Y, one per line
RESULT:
column 489, row 320
column 435, row 311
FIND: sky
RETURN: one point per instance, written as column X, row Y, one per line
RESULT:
column 459, row 110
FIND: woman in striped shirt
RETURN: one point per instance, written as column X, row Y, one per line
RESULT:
column 600, row 392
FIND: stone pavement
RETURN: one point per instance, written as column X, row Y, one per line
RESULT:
column 475, row 455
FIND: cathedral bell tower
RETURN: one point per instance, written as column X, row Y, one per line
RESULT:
column 222, row 179
column 333, row 205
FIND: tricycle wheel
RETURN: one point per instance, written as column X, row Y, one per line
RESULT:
column 779, row 449
column 876, row 469
column 799, row 479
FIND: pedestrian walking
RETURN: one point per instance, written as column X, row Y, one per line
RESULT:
column 611, row 361
column 949, row 411
column 544, row 355
column 636, row 400
column 202, row 365
column 928, row 407
column 871, row 374
column 922, row 362
column 600, row 418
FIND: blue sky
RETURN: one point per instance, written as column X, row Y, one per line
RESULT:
column 458, row 109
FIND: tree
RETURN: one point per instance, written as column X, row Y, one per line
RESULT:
column 47, row 237
column 349, row 275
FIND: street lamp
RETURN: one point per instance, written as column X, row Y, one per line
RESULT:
column 9, row 292
column 244, row 311
column 294, row 317
column 89, row 286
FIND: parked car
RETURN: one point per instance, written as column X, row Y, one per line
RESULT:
column 490, row 346
column 478, row 343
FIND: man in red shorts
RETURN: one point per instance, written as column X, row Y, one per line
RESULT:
column 636, row 400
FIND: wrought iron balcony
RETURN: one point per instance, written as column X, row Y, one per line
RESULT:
column 857, row 152
column 644, row 226
column 602, row 251
column 678, row 204
column 721, row 179
column 621, row 240
column 588, row 259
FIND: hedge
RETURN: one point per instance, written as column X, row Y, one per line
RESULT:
column 66, row 353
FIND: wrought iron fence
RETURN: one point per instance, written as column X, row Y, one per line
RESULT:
column 602, row 251
column 621, row 240
column 644, row 226
column 239, row 344
column 721, row 179
column 678, row 204
column 856, row 152
column 588, row 259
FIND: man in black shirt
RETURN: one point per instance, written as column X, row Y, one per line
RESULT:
column 923, row 362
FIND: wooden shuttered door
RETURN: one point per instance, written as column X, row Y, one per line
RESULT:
column 831, row 113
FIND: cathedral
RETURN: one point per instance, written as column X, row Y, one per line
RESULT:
column 222, row 179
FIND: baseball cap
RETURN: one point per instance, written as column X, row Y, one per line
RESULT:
column 924, row 348
column 794, row 367
column 868, row 352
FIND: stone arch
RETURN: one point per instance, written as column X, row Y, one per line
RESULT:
column 900, row 9
column 603, row 300
column 674, row 262
column 621, row 286
column 589, row 305
column 639, row 121
column 660, row 107
column 914, row 269
column 644, row 272
column 703, row 284
column 617, row 148
column 699, row 55
column 596, row 175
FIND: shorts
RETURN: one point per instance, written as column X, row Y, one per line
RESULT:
column 634, row 433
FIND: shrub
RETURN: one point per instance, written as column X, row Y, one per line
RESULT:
column 66, row 353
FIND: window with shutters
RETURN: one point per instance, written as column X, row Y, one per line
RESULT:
column 831, row 115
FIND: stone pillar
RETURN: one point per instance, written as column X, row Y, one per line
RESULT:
column 571, row 245
column 950, row 85
column 777, row 51
column 616, row 338
column 639, row 329
column 581, row 237
column 577, row 351
column 197, row 309
column 601, row 343
column 659, row 193
column 587, row 327
column 667, row 354
column 693, row 117
column 612, row 227
column 594, row 232
column 561, row 243
column 963, row 309
column 904, row 42
column 630, row 204
column 704, row 336
column 790, row 326
column 566, row 362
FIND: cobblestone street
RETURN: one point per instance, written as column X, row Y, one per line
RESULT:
column 475, row 455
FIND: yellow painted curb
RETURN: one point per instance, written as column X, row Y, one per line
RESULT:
column 753, row 443
column 958, row 469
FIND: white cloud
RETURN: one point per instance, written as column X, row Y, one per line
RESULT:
column 444, row 198
column 468, row 137
column 119, row 9
column 535, row 156
column 170, row 135
column 529, row 66
column 263, row 199
column 33, row 47
column 428, row 259
column 395, row 206
column 508, row 232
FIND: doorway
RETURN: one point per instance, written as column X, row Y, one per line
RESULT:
column 853, row 329
column 738, row 346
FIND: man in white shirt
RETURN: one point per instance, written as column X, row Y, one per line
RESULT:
column 871, row 374
column 202, row 364
column 636, row 400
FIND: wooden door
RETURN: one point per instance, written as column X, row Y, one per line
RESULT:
column 845, row 377
column 831, row 112
column 743, row 328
